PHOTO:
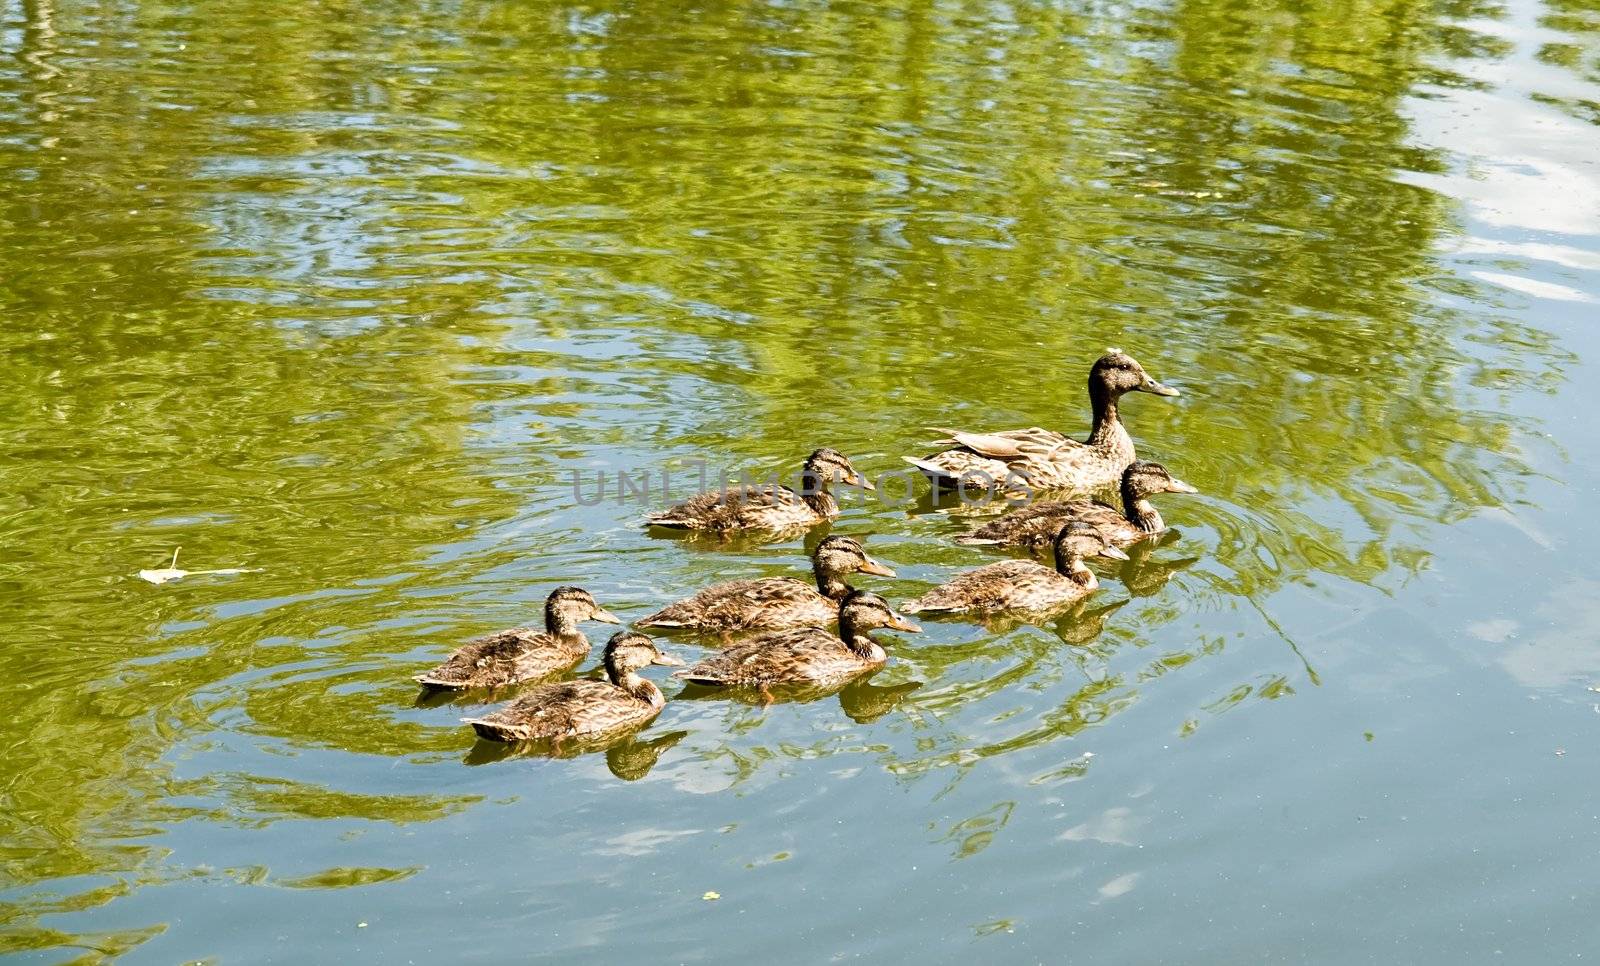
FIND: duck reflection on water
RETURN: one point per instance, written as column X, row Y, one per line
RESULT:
column 629, row 757
column 860, row 699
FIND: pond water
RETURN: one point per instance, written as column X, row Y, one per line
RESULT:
column 352, row 293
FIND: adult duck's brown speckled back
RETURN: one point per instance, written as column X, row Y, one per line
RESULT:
column 623, row 702
column 1040, row 459
column 809, row 655
column 1037, row 525
column 524, row 653
column 773, row 603
column 1024, row 585
column 771, row 507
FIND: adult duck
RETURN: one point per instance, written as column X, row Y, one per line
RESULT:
column 768, row 507
column 524, row 653
column 1024, row 585
column 1037, row 525
column 1040, row 459
column 774, row 603
column 624, row 702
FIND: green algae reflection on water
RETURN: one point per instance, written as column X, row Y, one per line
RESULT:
column 352, row 293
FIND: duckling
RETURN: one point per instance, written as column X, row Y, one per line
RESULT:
column 768, row 507
column 1024, row 585
column 809, row 655
column 625, row 701
column 523, row 653
column 773, row 603
column 1037, row 525
column 1039, row 459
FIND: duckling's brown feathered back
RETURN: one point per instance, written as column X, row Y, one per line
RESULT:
column 807, row 654
column 754, row 604
column 507, row 657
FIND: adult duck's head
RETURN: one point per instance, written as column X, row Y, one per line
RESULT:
column 1116, row 373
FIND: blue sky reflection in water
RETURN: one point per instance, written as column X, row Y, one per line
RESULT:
column 348, row 293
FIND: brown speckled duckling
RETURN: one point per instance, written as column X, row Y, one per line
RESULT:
column 768, row 507
column 1024, row 585
column 578, row 709
column 1048, row 460
column 523, row 653
column 809, row 655
column 773, row 603
column 1037, row 525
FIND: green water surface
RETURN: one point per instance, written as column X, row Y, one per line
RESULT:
column 352, row 292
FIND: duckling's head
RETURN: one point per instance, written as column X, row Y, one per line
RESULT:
column 839, row 555
column 566, row 606
column 1144, row 478
column 628, row 651
column 1078, row 540
column 827, row 465
column 1116, row 372
column 863, row 611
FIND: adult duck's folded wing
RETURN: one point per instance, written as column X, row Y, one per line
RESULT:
column 956, row 464
column 1031, row 443
column 1014, row 444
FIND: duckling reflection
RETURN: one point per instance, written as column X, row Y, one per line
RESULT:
column 627, row 757
column 863, row 701
column 631, row 759
column 1078, row 625
column 1084, row 624
column 431, row 697
column 1143, row 574
column 860, row 699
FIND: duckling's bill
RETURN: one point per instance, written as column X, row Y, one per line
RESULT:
column 876, row 569
column 899, row 623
